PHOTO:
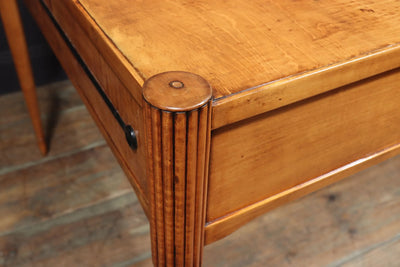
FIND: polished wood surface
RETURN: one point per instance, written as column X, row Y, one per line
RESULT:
column 226, row 225
column 304, row 93
column 116, row 91
column 239, row 45
column 131, row 161
column 265, row 62
column 263, row 156
column 72, row 11
column 178, row 138
column 16, row 39
column 295, row 88
column 93, row 210
column 352, row 223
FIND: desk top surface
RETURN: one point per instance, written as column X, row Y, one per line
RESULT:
column 237, row 45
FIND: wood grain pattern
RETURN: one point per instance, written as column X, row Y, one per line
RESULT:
column 113, row 56
column 74, row 203
column 59, row 103
column 323, row 39
column 242, row 44
column 109, row 127
column 295, row 88
column 225, row 225
column 51, row 183
column 300, row 140
column 177, row 144
column 290, row 146
column 354, row 222
column 78, row 179
column 16, row 39
column 128, row 108
column 114, row 231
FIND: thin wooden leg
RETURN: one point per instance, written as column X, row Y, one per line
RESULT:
column 177, row 115
column 16, row 40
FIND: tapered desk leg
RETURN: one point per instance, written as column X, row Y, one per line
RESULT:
column 177, row 117
column 16, row 39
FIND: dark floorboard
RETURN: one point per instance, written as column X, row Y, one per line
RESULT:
column 74, row 207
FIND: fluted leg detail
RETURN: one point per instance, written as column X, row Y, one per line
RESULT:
column 178, row 152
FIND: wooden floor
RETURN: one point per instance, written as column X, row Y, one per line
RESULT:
column 75, row 207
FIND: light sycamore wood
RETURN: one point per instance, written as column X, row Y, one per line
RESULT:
column 354, row 222
column 323, row 38
column 243, row 44
column 265, row 155
column 348, row 212
column 283, row 67
column 295, row 88
column 125, row 72
column 131, row 161
column 109, row 79
column 177, row 138
column 225, row 225
column 16, row 39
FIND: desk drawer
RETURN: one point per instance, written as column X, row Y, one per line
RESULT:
column 103, row 79
column 285, row 149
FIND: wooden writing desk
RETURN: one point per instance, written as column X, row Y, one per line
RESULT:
column 304, row 93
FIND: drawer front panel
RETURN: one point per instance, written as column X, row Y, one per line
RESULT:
column 120, row 98
column 273, row 152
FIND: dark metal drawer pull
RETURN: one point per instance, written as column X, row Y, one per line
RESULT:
column 130, row 136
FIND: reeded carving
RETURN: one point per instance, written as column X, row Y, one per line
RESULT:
column 177, row 116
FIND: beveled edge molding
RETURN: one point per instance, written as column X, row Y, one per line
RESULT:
column 225, row 225
column 83, row 85
column 288, row 90
column 122, row 68
column 177, row 107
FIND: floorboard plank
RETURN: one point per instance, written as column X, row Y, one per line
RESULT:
column 56, row 97
column 44, row 191
column 322, row 228
column 99, row 235
column 67, row 123
column 76, row 208
column 379, row 255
